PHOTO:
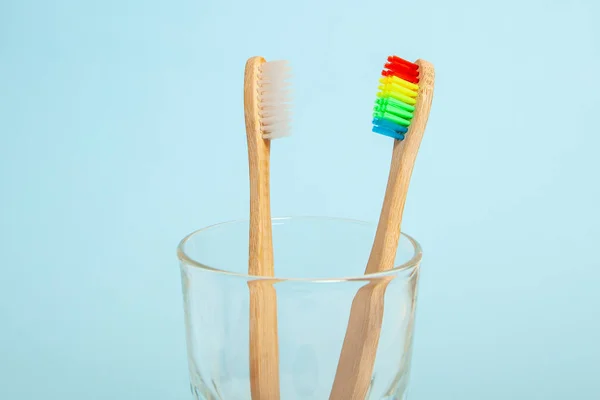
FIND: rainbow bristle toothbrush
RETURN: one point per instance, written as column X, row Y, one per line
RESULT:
column 401, row 112
column 267, row 115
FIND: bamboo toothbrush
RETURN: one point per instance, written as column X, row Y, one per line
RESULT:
column 401, row 112
column 267, row 115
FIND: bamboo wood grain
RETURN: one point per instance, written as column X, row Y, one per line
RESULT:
column 264, row 350
column 357, row 358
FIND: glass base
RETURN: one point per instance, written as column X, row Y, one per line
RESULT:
column 205, row 394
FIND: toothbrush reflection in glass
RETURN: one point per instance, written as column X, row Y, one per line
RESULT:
column 401, row 112
column 267, row 115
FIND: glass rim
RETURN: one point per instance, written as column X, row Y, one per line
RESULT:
column 414, row 261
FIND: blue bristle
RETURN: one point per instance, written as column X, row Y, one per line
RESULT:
column 390, row 125
column 388, row 132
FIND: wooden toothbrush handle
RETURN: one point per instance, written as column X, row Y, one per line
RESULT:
column 354, row 370
column 264, row 349
column 404, row 155
column 260, row 258
column 263, row 343
column 383, row 252
column 357, row 359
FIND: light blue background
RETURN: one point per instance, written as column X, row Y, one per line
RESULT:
column 121, row 130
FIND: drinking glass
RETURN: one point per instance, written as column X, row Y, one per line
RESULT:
column 319, row 269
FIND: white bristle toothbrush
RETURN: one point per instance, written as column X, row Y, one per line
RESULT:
column 267, row 113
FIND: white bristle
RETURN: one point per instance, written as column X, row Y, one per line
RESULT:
column 274, row 99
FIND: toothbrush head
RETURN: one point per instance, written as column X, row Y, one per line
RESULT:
column 395, row 104
column 274, row 99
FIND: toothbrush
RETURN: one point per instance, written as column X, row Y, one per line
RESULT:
column 401, row 112
column 267, row 115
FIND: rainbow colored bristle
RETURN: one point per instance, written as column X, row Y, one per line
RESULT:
column 396, row 99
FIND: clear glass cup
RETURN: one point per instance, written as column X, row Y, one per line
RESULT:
column 319, row 267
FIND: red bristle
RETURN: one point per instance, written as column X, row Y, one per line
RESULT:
column 401, row 74
column 401, row 68
column 398, row 60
